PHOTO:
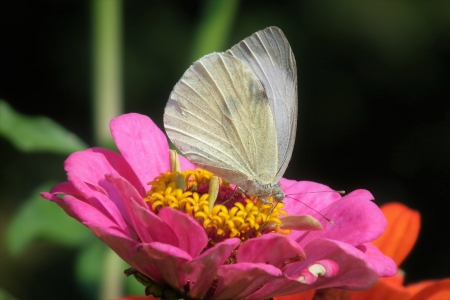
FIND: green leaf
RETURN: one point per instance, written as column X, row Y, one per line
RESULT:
column 4, row 295
column 40, row 218
column 36, row 133
column 89, row 267
column 98, row 266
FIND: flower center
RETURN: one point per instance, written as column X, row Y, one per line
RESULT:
column 229, row 214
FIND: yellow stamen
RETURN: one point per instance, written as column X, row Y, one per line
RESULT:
column 199, row 193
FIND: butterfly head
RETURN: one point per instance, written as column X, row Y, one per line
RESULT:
column 277, row 193
column 254, row 188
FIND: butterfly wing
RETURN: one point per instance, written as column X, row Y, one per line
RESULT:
column 218, row 115
column 268, row 54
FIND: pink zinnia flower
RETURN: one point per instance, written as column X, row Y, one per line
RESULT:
column 173, row 236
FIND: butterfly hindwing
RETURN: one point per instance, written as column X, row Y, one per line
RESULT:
column 268, row 54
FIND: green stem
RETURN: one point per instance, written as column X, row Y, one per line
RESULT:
column 107, row 69
column 112, row 278
column 107, row 104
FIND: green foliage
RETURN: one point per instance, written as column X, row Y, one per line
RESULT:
column 39, row 218
column 214, row 27
column 90, row 270
column 36, row 133
column 5, row 295
column 89, row 266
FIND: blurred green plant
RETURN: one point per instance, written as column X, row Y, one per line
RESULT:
column 107, row 103
column 214, row 27
column 5, row 295
column 37, row 219
column 36, row 133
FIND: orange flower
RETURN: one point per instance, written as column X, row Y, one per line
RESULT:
column 401, row 233
column 396, row 242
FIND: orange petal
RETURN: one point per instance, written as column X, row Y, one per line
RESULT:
column 431, row 290
column 385, row 289
column 418, row 286
column 308, row 295
column 401, row 233
column 331, row 294
column 397, row 279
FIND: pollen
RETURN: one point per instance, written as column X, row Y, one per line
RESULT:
column 220, row 208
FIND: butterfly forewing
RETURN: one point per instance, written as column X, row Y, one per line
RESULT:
column 219, row 117
column 268, row 54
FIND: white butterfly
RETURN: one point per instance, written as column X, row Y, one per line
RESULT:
column 235, row 113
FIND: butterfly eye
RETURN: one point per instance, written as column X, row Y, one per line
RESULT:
column 279, row 196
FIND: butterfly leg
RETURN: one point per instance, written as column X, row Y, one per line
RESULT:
column 234, row 193
column 266, row 201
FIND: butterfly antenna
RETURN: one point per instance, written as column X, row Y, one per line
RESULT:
column 332, row 191
column 329, row 220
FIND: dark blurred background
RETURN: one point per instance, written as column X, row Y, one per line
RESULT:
column 374, row 111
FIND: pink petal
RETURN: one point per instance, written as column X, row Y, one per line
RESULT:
column 157, row 229
column 185, row 164
column 357, row 220
column 122, row 167
column 202, row 270
column 61, row 202
column 289, row 183
column 98, row 198
column 126, row 190
column 331, row 268
column 354, row 270
column 65, row 188
column 276, row 287
column 324, row 268
column 353, row 273
column 383, row 265
column 90, row 168
column 142, row 144
column 237, row 281
column 87, row 214
column 119, row 242
column 191, row 236
column 305, row 192
column 149, row 227
column 307, row 276
column 272, row 249
column 168, row 260
column 106, row 229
